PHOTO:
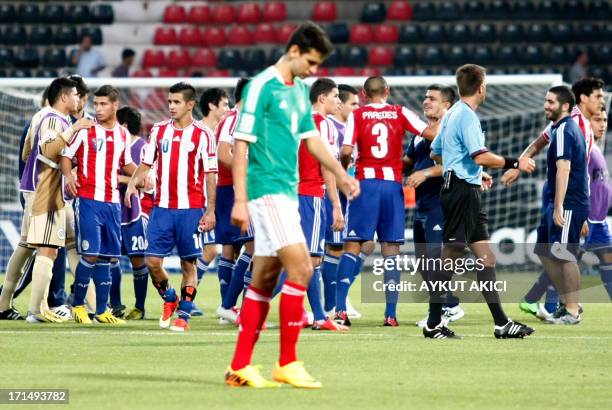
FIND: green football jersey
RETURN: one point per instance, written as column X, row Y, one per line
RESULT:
column 274, row 118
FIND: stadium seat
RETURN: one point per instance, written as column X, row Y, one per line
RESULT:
column 102, row 14
column 558, row 54
column 3, row 73
column 434, row 33
column 20, row 73
column 274, row 11
column 54, row 58
column 274, row 55
column 94, row 32
column 369, row 71
column 410, row 33
column 40, row 35
column 239, row 36
column 223, row 14
column 14, row 35
column 190, row 37
column 77, row 14
column 265, row 33
column 499, row 10
column 560, row 32
column 392, row 71
column 448, row 11
column 356, row 56
column 153, row 58
column 432, row 55
column 399, row 10
column 511, row 33
column 27, row 57
column 254, row 59
column 335, row 59
column 324, row 11
column 248, row 13
column 284, row 32
column 474, row 10
column 338, row 33
column 577, row 9
column 199, row 15
column 168, row 72
column 373, row 13
column 361, row 34
column 142, row 73
column 229, row 59
column 380, row 56
column 602, row 54
column 214, row 36
column 423, row 11
column 531, row 55
column 404, row 56
column 7, row 13
column 65, row 35
column 323, row 72
column 53, row 14
column 28, row 13
column 600, row 10
column 536, row 32
column 506, row 55
column 165, row 36
column 175, row 14
column 457, row 55
column 6, row 57
column 386, row 33
column 459, row 33
column 587, row 32
column 178, row 59
column 523, row 10
column 482, row 55
column 484, row 33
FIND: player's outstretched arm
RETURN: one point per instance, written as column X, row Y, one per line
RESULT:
column 511, row 175
column 561, row 180
column 348, row 185
column 418, row 177
column 240, row 211
column 491, row 160
column 137, row 180
column 224, row 154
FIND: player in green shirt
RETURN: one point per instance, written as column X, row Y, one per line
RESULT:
column 275, row 117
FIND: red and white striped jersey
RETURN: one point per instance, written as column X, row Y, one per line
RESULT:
column 311, row 180
column 182, row 156
column 585, row 126
column 225, row 133
column 378, row 132
column 100, row 153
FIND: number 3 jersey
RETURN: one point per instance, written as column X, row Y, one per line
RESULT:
column 377, row 130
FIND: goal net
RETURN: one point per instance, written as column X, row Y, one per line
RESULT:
column 511, row 117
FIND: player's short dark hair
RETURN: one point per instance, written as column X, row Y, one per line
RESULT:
column 59, row 87
column 188, row 91
column 345, row 91
column 44, row 97
column 322, row 86
column 108, row 91
column 375, row 86
column 81, row 87
column 469, row 79
column 311, row 36
column 586, row 86
column 211, row 96
column 131, row 117
column 564, row 95
column 448, row 93
column 240, row 88
column 127, row 53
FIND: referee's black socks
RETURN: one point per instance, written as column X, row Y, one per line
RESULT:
column 491, row 296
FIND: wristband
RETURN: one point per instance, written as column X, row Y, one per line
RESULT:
column 511, row 163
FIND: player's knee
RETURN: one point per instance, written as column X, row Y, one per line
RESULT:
column 153, row 264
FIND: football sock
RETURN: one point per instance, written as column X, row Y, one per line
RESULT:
column 346, row 269
column 82, row 276
column 436, row 296
column 141, row 282
column 358, row 266
column 115, row 290
column 57, row 293
column 224, row 271
column 391, row 276
column 552, row 299
column 102, row 280
column 41, row 276
column 161, row 287
column 26, row 277
column 491, row 296
column 314, row 295
column 13, row 273
column 253, row 314
column 606, row 277
column 185, row 306
column 291, row 313
column 237, row 283
column 201, row 268
column 329, row 273
column 538, row 288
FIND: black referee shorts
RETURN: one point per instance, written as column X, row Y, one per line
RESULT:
column 464, row 220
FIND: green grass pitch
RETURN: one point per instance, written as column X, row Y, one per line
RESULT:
column 140, row 366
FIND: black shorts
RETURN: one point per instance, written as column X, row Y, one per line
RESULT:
column 464, row 220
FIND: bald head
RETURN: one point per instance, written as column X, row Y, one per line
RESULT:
column 375, row 87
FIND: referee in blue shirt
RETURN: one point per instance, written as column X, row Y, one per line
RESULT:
column 460, row 147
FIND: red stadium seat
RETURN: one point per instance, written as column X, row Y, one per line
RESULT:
column 386, row 33
column 248, row 13
column 165, row 36
column 190, row 37
column 284, row 32
column 204, row 57
column 274, row 11
column 361, row 34
column 175, row 14
column 323, row 72
column 239, row 36
column 218, row 73
column 153, row 58
column 178, row 59
column 324, row 11
column 223, row 14
column 143, row 72
column 399, row 10
column 380, row 56
column 214, row 37
column 265, row 33
column 199, row 15
column 345, row 71
column 168, row 72
column 369, row 71
column 157, row 98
